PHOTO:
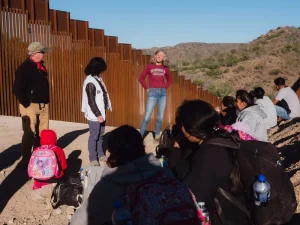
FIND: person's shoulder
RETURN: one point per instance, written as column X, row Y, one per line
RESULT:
column 212, row 149
column 25, row 65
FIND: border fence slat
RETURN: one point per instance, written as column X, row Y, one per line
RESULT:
column 66, row 61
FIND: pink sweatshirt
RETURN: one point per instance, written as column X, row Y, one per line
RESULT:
column 157, row 75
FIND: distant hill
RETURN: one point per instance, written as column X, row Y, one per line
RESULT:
column 192, row 51
column 224, row 68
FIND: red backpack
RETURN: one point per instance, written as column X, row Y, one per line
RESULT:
column 162, row 199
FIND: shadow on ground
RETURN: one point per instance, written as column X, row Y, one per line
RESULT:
column 18, row 177
column 291, row 154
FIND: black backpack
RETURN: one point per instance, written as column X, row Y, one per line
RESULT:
column 166, row 142
column 254, row 158
column 68, row 192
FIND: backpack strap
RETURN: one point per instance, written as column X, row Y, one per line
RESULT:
column 234, row 201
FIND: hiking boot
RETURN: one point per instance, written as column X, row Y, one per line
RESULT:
column 94, row 163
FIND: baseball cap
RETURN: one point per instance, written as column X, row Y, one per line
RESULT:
column 37, row 47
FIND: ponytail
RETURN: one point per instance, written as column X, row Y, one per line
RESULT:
column 235, row 176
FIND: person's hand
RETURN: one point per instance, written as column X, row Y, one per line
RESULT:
column 100, row 119
column 218, row 109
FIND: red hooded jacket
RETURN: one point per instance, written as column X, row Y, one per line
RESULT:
column 48, row 137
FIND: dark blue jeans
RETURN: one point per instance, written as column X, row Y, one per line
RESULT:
column 155, row 96
column 97, row 131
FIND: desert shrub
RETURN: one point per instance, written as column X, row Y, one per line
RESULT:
column 186, row 63
column 197, row 62
column 220, row 90
column 210, row 63
column 232, row 60
column 259, row 67
column 278, row 28
column 275, row 72
column 233, row 51
column 174, row 67
column 198, row 82
column 214, row 72
column 269, row 37
column 256, row 48
column 239, row 69
column 245, row 56
column 293, row 47
column 226, row 71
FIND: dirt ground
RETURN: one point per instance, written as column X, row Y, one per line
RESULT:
column 16, row 204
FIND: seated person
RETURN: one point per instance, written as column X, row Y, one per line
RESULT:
column 48, row 138
column 252, row 115
column 207, row 167
column 129, row 166
column 266, row 105
column 286, row 102
column 228, row 113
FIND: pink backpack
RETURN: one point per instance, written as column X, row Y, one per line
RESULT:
column 43, row 163
column 162, row 199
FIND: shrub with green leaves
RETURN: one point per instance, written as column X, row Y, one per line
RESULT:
column 275, row 72
column 259, row 67
column 240, row 69
column 199, row 82
column 220, row 90
column 214, row 72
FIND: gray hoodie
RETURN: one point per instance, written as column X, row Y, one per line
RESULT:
column 254, row 117
column 112, row 187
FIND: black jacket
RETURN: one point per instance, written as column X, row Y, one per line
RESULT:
column 229, row 118
column 90, row 90
column 31, row 84
column 203, row 170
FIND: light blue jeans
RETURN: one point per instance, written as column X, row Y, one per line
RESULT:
column 281, row 112
column 155, row 96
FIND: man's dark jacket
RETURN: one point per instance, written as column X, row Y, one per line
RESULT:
column 31, row 84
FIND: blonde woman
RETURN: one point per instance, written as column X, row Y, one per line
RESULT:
column 160, row 79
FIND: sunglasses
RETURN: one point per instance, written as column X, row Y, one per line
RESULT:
column 41, row 52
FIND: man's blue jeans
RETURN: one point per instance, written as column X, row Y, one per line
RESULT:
column 281, row 112
column 155, row 95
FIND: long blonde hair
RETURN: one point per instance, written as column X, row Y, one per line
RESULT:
column 165, row 61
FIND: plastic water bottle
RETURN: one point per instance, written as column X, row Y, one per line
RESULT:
column 261, row 191
column 164, row 161
column 121, row 215
column 204, row 211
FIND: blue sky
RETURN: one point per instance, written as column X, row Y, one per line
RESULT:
column 169, row 22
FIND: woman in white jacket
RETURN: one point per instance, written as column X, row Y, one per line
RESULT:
column 252, row 115
column 95, row 102
column 266, row 105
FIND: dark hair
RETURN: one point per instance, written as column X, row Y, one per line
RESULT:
column 200, row 120
column 258, row 92
column 279, row 81
column 228, row 102
column 124, row 144
column 96, row 66
column 245, row 97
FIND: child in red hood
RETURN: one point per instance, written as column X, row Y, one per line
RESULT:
column 48, row 137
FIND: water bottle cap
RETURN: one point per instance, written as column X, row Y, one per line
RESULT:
column 118, row 205
column 261, row 178
column 81, row 169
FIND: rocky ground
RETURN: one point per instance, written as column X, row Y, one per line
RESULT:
column 16, row 204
